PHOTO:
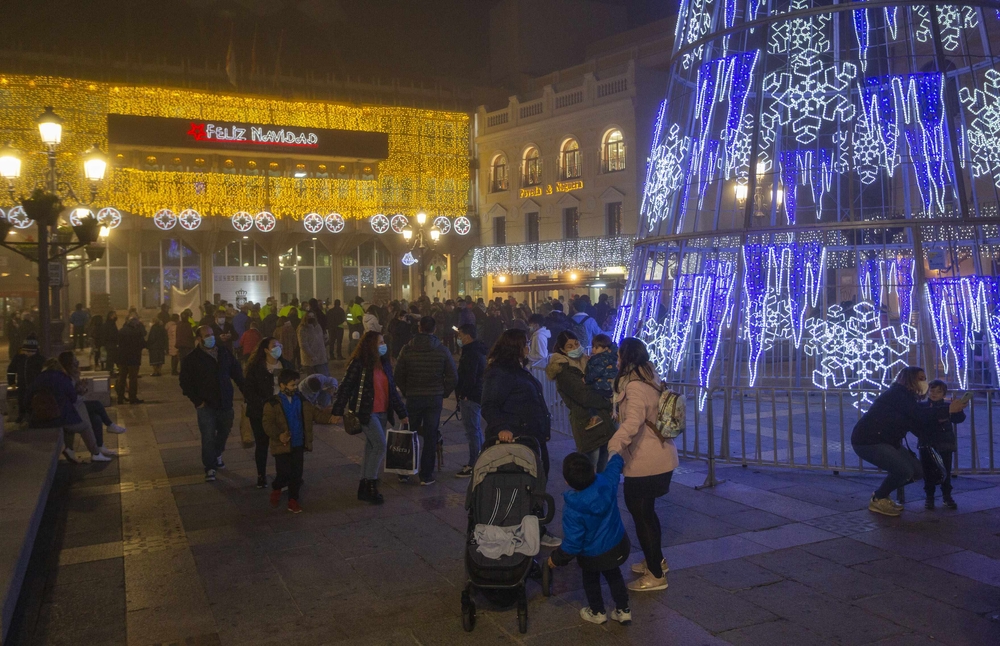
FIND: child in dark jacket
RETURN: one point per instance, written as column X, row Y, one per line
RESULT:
column 942, row 438
column 601, row 370
column 593, row 534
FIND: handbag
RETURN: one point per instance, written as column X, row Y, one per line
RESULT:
column 351, row 422
column 934, row 471
column 246, row 431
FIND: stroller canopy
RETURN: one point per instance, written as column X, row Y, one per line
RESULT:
column 503, row 454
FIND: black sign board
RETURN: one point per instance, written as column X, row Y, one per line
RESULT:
column 206, row 136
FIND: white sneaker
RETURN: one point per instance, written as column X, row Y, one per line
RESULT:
column 624, row 617
column 118, row 429
column 552, row 541
column 647, row 583
column 640, row 567
column 593, row 617
column 71, row 456
column 107, row 451
column 100, row 458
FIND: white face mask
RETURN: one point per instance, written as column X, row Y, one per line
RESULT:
column 922, row 387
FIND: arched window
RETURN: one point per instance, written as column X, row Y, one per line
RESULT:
column 498, row 174
column 569, row 160
column 532, row 167
column 613, row 151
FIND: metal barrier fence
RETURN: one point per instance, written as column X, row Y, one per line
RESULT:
column 810, row 429
column 557, row 409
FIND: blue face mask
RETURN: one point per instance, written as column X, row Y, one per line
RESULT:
column 459, row 343
column 575, row 353
column 276, row 351
column 208, row 342
column 382, row 349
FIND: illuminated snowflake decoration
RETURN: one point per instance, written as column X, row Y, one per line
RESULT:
column 952, row 20
column 313, row 222
column 694, row 20
column 380, row 223
column 19, row 218
column 242, row 221
column 856, row 352
column 807, row 95
column 801, row 39
column 462, row 225
column 189, row 219
column 165, row 220
column 109, row 217
column 443, row 223
column 335, row 223
column 265, row 221
column 398, row 223
column 983, row 133
column 76, row 216
column 409, row 260
column 664, row 176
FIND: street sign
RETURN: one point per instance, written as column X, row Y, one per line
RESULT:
column 55, row 274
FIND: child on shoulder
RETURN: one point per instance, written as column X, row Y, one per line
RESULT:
column 288, row 421
column 594, row 535
column 942, row 438
column 602, row 369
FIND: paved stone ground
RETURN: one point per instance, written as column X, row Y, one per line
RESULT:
column 142, row 551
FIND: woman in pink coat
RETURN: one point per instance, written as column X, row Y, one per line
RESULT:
column 649, row 459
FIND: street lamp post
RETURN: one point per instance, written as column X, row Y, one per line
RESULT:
column 419, row 245
column 44, row 207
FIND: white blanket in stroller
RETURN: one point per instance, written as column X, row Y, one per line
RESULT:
column 494, row 542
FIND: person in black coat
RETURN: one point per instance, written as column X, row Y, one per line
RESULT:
column 469, row 392
column 207, row 376
column 335, row 318
column 131, row 342
column 556, row 322
column 260, row 385
column 109, row 341
column 156, row 343
column 400, row 333
column 878, row 436
column 369, row 391
column 22, row 371
column 941, row 437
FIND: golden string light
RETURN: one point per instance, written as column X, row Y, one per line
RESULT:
column 427, row 166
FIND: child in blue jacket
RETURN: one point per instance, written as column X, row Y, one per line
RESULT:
column 593, row 534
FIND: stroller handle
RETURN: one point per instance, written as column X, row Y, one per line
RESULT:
column 550, row 507
column 526, row 440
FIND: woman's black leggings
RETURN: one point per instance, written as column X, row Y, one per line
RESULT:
column 647, row 530
column 261, row 443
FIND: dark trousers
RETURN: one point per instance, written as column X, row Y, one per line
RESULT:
column 261, row 444
column 425, row 418
column 337, row 342
column 900, row 465
column 132, row 374
column 289, row 471
column 98, row 419
column 948, row 457
column 175, row 361
column 79, row 338
column 592, row 586
column 647, row 530
column 214, row 425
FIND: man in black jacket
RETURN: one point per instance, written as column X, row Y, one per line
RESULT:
column 556, row 322
column 469, row 392
column 206, row 379
column 335, row 318
column 131, row 341
column 425, row 373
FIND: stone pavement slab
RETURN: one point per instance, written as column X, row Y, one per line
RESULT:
column 771, row 556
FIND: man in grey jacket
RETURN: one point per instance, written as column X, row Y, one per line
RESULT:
column 425, row 373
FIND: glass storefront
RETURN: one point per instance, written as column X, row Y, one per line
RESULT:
column 306, row 272
column 366, row 269
column 109, row 275
column 166, row 264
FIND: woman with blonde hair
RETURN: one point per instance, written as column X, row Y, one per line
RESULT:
column 878, row 436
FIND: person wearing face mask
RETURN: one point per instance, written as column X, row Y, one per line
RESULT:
column 312, row 346
column 207, row 376
column 369, row 390
column 225, row 333
column 288, row 422
column 878, row 436
column 131, row 341
column 263, row 370
column 589, row 411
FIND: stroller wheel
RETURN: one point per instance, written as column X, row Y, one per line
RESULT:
column 468, row 613
column 546, row 580
column 522, row 613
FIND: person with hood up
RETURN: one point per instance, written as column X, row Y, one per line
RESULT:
column 567, row 367
column 312, row 347
column 426, row 375
column 538, row 353
column 469, row 392
column 593, row 534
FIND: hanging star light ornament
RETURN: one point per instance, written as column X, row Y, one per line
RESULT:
column 109, row 217
column 242, row 221
column 313, row 223
column 463, row 225
column 165, row 220
column 334, row 223
column 189, row 219
column 443, row 223
column 265, row 221
column 19, row 218
column 409, row 260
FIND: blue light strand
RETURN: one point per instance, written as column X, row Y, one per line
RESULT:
column 961, row 307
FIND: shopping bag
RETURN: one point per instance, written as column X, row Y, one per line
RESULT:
column 402, row 454
column 246, row 431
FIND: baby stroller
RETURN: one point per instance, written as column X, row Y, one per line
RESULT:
column 508, row 483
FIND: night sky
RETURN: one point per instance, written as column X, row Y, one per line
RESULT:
column 420, row 39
